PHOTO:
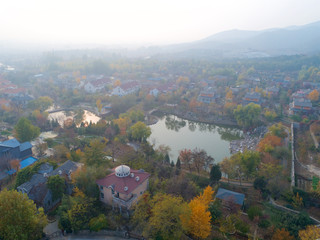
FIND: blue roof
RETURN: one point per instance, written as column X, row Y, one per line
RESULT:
column 12, row 143
column 11, row 171
column 25, row 146
column 27, row 162
column 228, row 195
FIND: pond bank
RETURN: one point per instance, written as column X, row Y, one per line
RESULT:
column 217, row 120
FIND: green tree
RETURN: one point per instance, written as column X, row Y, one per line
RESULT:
column 247, row 116
column 79, row 215
column 98, row 223
column 25, row 131
column 159, row 217
column 41, row 103
column 57, row 186
column 94, row 153
column 20, row 218
column 215, row 173
column 140, row 131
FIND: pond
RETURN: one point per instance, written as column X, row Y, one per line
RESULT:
column 61, row 116
column 179, row 134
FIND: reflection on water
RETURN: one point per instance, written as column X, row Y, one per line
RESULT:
column 77, row 116
column 180, row 134
column 49, row 134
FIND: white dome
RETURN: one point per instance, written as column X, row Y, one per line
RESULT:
column 122, row 171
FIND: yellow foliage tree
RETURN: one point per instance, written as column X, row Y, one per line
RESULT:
column 314, row 95
column 117, row 83
column 310, row 233
column 229, row 96
column 282, row 234
column 196, row 221
column 99, row 105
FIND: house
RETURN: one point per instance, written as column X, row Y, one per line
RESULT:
column 228, row 198
column 311, row 85
column 4, row 103
column 96, row 85
column 281, row 82
column 300, row 105
column 252, row 97
column 126, row 88
column 37, row 190
column 301, row 94
column 154, row 92
column 123, row 187
column 13, row 149
column 168, row 87
column 207, row 96
column 272, row 91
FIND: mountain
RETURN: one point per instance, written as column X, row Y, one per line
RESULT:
column 239, row 43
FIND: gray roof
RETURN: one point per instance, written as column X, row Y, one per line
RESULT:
column 228, row 195
column 25, row 146
column 65, row 168
column 302, row 103
column 45, row 168
column 253, row 95
column 35, row 180
column 38, row 193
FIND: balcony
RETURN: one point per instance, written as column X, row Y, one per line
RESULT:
column 123, row 203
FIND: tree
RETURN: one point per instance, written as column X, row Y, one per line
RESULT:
column 94, row 153
column 99, row 105
column 225, row 167
column 98, row 223
column 215, row 173
column 268, row 143
column 159, row 217
column 57, row 186
column 310, row 233
column 247, row 116
column 25, row 131
column 314, row 95
column 282, row 234
column 278, row 130
column 140, row 131
column 79, row 215
column 185, row 157
column 20, row 218
column 197, row 220
column 42, row 103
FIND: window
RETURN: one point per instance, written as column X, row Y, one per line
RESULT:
column 141, row 193
column 101, row 187
column 102, row 195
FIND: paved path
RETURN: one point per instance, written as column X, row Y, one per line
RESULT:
column 52, row 227
column 89, row 237
column 233, row 182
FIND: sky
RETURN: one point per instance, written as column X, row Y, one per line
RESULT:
column 144, row 21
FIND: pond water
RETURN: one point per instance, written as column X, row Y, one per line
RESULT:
column 179, row 134
column 61, row 116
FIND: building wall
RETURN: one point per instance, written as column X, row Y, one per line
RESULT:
column 107, row 193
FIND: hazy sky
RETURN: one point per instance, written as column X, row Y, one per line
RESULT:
column 145, row 21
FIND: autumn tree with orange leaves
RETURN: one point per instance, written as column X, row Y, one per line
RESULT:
column 282, row 234
column 185, row 157
column 268, row 143
column 197, row 220
column 314, row 95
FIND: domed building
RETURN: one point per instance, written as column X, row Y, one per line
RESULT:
column 123, row 187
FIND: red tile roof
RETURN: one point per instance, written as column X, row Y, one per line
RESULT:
column 119, row 183
column 129, row 85
column 99, row 82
